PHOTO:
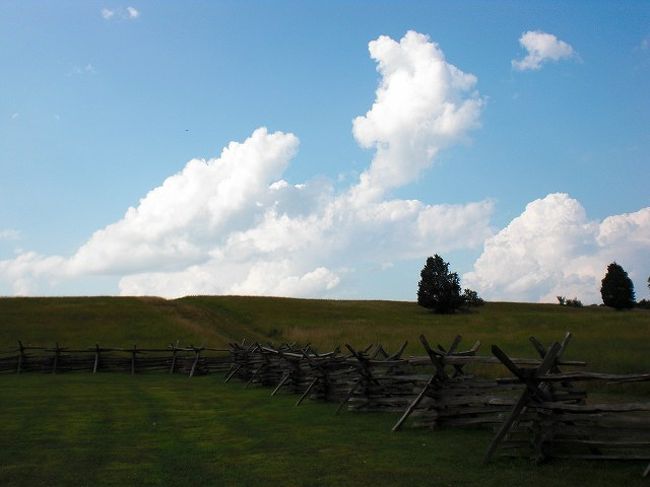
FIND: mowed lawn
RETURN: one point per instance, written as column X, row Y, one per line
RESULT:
column 113, row 429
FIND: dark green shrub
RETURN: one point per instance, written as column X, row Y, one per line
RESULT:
column 471, row 298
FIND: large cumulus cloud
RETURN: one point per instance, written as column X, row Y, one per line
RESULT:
column 423, row 103
column 232, row 224
column 553, row 249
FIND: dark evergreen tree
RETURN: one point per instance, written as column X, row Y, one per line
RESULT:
column 616, row 288
column 438, row 288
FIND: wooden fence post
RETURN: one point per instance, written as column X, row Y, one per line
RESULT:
column 436, row 359
column 135, row 348
column 306, row 393
column 197, row 352
column 96, row 364
column 284, row 378
column 532, row 390
column 21, row 357
column 347, row 397
column 173, row 365
column 414, row 404
column 56, row 358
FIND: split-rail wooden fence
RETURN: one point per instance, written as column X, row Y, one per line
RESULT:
column 539, row 411
column 173, row 359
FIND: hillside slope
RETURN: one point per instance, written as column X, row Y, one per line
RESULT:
column 608, row 340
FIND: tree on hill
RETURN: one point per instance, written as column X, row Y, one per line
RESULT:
column 438, row 288
column 616, row 288
column 471, row 298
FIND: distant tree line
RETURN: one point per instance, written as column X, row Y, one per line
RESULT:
column 616, row 291
column 439, row 289
column 575, row 302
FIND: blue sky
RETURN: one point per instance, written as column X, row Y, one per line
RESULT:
column 101, row 102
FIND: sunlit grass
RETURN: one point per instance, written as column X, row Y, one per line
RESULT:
column 608, row 340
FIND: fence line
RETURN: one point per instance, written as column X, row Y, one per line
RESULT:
column 538, row 411
column 134, row 360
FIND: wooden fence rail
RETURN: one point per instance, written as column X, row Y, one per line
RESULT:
column 134, row 360
column 541, row 427
column 539, row 411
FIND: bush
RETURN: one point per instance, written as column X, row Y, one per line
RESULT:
column 574, row 303
column 438, row 288
column 643, row 304
column 617, row 289
column 471, row 298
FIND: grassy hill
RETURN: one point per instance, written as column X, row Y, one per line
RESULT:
column 609, row 340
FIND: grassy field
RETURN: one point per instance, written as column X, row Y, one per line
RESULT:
column 113, row 429
column 158, row 430
column 610, row 341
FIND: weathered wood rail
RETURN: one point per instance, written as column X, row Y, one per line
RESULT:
column 172, row 359
column 541, row 427
column 538, row 412
column 435, row 390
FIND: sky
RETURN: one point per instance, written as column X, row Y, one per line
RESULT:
column 323, row 149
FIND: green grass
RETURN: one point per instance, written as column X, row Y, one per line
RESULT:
column 113, row 429
column 608, row 340
column 105, row 320
column 79, row 429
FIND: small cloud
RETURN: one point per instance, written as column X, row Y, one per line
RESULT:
column 128, row 13
column 88, row 68
column 542, row 47
column 57, row 116
column 9, row 234
column 645, row 44
column 82, row 70
column 15, row 115
column 107, row 14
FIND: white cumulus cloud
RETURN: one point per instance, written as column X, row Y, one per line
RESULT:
column 541, row 47
column 423, row 103
column 553, row 249
column 233, row 225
